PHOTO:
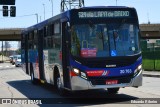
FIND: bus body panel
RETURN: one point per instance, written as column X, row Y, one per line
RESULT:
column 50, row 57
column 81, row 84
column 127, row 75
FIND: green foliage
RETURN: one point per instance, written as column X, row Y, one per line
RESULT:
column 151, row 56
column 151, row 65
column 151, row 60
column 148, row 64
column 157, row 65
column 18, row 51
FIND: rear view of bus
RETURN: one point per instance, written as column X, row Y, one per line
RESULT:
column 104, row 47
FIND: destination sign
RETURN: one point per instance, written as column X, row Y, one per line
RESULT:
column 103, row 14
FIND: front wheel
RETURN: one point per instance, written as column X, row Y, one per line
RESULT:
column 60, row 90
column 113, row 90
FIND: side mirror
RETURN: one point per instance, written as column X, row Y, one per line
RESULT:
column 68, row 24
column 68, row 27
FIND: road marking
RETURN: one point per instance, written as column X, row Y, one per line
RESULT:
column 0, row 66
column 7, row 66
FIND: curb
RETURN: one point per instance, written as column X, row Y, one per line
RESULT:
column 149, row 75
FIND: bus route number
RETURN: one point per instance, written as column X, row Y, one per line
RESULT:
column 126, row 71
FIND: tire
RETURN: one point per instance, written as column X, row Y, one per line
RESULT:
column 113, row 90
column 58, row 85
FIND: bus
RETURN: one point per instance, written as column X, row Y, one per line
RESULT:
column 84, row 49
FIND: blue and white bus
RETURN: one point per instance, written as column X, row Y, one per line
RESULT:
column 84, row 49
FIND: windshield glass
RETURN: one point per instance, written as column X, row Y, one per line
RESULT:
column 104, row 40
column 18, row 57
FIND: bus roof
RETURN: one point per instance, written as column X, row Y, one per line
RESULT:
column 105, row 7
column 43, row 23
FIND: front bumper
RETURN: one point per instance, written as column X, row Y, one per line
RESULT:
column 18, row 63
column 78, row 83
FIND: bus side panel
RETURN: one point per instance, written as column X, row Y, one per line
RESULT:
column 47, row 70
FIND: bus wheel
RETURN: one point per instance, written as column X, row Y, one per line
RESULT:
column 60, row 90
column 113, row 90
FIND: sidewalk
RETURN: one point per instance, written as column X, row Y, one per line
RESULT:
column 151, row 74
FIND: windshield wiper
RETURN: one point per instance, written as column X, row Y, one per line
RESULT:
column 114, row 40
column 102, row 38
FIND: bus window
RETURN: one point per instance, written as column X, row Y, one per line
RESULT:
column 57, row 28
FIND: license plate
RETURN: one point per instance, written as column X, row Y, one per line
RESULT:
column 110, row 82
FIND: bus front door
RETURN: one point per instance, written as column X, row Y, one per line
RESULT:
column 40, row 54
column 65, row 56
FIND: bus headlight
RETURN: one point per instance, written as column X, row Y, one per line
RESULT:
column 83, row 75
column 139, row 68
column 75, row 70
column 79, row 73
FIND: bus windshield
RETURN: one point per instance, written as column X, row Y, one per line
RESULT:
column 104, row 40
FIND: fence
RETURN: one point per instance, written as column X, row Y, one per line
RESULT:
column 151, row 54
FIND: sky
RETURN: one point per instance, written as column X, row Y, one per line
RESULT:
column 148, row 10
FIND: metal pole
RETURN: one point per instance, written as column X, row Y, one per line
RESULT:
column 52, row 6
column 154, row 56
column 116, row 2
column 69, row 4
column 37, row 17
column 40, row 18
column 44, row 10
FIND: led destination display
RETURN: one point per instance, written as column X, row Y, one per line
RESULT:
column 103, row 14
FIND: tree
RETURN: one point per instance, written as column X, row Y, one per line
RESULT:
column 18, row 51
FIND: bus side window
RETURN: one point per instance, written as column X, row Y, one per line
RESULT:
column 58, row 42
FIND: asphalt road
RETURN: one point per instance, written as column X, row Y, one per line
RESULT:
column 14, row 83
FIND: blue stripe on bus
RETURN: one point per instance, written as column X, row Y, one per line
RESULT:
column 128, row 70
